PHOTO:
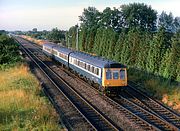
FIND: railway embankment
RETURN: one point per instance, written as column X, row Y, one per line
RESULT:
column 166, row 91
column 23, row 105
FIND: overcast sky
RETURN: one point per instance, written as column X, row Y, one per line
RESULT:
column 47, row 14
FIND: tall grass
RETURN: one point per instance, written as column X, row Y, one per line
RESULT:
column 165, row 90
column 22, row 105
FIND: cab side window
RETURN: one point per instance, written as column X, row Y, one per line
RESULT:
column 108, row 74
column 122, row 74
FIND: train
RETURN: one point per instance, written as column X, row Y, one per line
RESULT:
column 108, row 76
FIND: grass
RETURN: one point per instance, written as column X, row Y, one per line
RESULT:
column 162, row 89
column 22, row 103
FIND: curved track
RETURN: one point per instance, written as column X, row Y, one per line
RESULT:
column 89, row 112
column 161, row 110
column 150, row 117
column 144, row 114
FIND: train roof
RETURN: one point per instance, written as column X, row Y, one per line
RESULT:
column 96, row 61
column 93, row 60
column 62, row 49
column 58, row 48
column 50, row 44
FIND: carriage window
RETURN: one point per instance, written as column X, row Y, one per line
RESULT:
column 108, row 74
column 71, row 59
column 115, row 75
column 92, row 69
column 88, row 67
column 97, row 71
column 84, row 65
column 81, row 64
column 75, row 61
column 122, row 74
column 54, row 52
column 66, row 57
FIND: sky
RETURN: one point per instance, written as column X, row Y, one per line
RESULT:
column 47, row 14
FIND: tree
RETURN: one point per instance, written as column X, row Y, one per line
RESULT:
column 175, row 57
column 98, row 41
column 170, row 23
column 82, row 38
column 166, row 21
column 150, row 58
column 56, row 35
column 176, row 24
column 111, row 19
column 90, row 39
column 108, row 42
column 139, row 15
column 119, row 46
column 134, row 40
column 90, row 17
column 159, row 47
column 72, row 36
column 144, row 47
column 111, row 43
column 165, row 65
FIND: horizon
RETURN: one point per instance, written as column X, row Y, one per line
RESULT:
column 45, row 14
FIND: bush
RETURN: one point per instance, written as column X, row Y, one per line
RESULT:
column 9, row 54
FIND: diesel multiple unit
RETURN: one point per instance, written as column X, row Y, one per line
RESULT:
column 107, row 74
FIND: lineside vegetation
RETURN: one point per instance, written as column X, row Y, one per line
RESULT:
column 136, row 36
column 23, row 105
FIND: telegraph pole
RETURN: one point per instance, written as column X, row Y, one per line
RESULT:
column 77, row 37
column 68, row 42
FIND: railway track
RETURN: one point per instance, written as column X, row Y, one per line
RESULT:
column 144, row 114
column 156, row 107
column 158, row 123
column 96, row 119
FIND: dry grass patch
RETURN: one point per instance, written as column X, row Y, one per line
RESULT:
column 168, row 93
column 22, row 105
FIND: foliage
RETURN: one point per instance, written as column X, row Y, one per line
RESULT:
column 98, row 41
column 168, row 22
column 158, row 87
column 71, row 35
column 111, row 19
column 82, row 39
column 90, row 17
column 9, row 50
column 56, row 35
column 139, row 15
column 129, row 35
column 120, row 44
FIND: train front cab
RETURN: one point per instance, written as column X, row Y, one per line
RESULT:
column 114, row 79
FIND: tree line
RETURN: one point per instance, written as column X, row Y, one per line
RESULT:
column 134, row 35
column 55, row 35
